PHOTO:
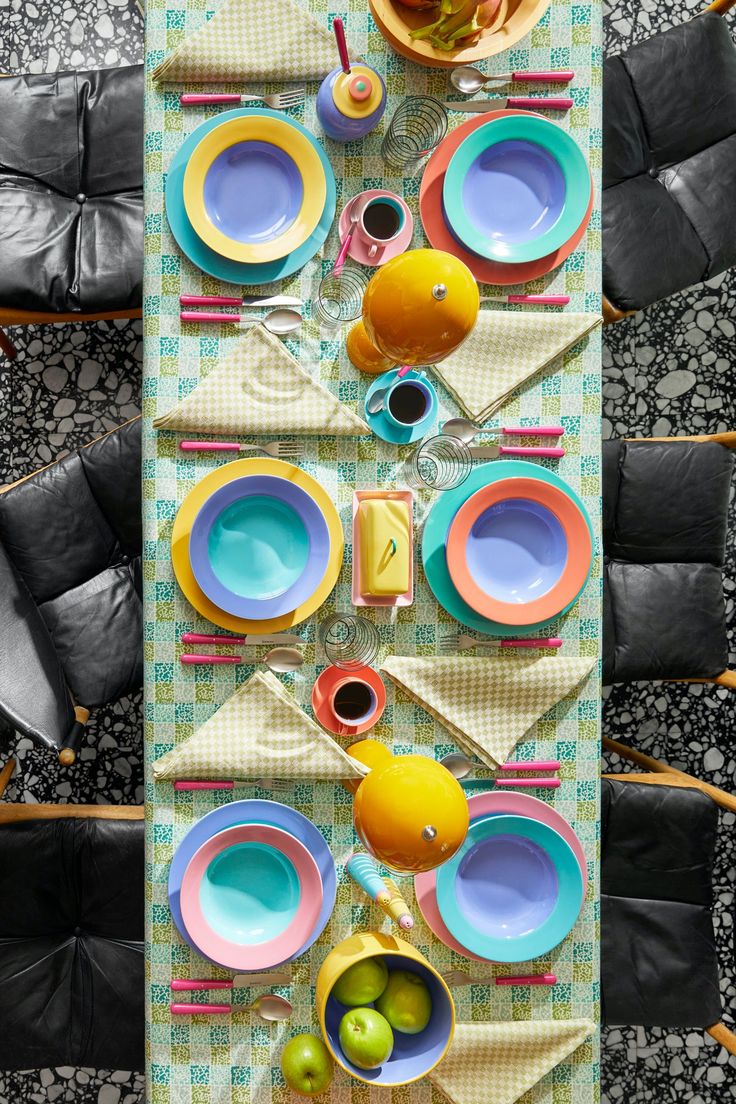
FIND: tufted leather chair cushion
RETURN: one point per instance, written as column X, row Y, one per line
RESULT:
column 70, row 551
column 665, row 510
column 669, row 162
column 71, row 191
column 659, row 964
column 71, row 944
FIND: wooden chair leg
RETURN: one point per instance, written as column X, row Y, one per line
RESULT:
column 664, row 774
column 726, row 678
column 68, row 754
column 724, row 1036
column 6, row 774
column 7, row 346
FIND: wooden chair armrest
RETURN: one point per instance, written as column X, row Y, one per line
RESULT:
column 6, row 774
column 13, row 813
column 665, row 775
column 724, row 1036
column 610, row 313
column 726, row 678
column 728, row 439
column 720, row 7
column 11, row 317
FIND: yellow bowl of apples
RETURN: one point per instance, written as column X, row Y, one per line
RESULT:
column 387, row 1016
column 425, row 31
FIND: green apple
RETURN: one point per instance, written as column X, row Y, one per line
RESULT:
column 307, row 1065
column 405, row 1002
column 366, row 1038
column 361, row 983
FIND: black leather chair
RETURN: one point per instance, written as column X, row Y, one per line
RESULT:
column 665, row 506
column 669, row 163
column 71, row 936
column 659, row 962
column 70, row 589
column 71, row 196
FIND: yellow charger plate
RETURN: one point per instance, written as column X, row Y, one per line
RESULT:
column 306, row 163
column 193, row 503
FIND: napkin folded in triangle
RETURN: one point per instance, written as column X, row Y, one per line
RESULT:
column 505, row 349
column 253, row 40
column 487, row 704
column 496, row 1063
column 260, row 731
column 260, row 388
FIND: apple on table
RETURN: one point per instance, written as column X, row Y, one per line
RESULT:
column 307, row 1065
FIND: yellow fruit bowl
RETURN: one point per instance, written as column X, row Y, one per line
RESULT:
column 513, row 19
column 414, row 1055
column 254, row 189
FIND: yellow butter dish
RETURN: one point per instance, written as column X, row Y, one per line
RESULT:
column 383, row 548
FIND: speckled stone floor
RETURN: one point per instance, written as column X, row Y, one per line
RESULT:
column 670, row 370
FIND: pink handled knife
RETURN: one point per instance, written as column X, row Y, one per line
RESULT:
column 201, row 1009
column 492, row 452
column 239, row 981
column 528, row 979
column 521, row 103
column 217, row 638
column 541, row 300
column 533, row 431
column 212, row 660
column 238, row 301
column 540, row 764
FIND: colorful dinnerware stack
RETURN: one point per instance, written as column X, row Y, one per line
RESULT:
column 509, row 193
column 252, row 885
column 286, row 175
column 257, row 546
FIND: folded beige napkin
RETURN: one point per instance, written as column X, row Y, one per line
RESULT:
column 260, row 388
column 504, row 349
column 487, row 704
column 253, row 40
column 496, row 1063
column 260, row 732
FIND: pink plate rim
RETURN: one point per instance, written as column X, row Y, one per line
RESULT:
column 237, row 956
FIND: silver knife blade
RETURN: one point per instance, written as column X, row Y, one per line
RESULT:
column 272, row 301
column 493, row 103
column 280, row 638
column 241, row 981
column 484, row 452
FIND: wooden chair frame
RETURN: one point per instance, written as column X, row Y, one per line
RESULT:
column 662, row 774
column 35, row 318
column 612, row 313
column 728, row 440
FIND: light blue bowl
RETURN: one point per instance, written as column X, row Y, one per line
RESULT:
column 249, row 893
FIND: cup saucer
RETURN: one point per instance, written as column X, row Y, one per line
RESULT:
column 359, row 249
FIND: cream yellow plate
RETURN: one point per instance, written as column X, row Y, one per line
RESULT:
column 191, row 506
column 254, row 189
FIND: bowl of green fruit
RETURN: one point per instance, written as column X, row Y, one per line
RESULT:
column 387, row 1016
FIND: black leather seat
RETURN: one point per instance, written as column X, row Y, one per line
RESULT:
column 659, row 963
column 665, row 510
column 669, row 163
column 72, row 944
column 71, row 191
column 70, row 587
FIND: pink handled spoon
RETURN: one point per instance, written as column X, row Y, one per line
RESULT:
column 281, row 321
column 468, row 80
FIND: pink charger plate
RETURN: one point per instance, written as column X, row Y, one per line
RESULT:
column 252, row 956
column 438, row 232
column 488, row 804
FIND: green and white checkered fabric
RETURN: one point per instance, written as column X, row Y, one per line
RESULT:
column 234, row 1060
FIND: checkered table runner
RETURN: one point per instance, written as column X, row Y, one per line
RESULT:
column 234, row 1060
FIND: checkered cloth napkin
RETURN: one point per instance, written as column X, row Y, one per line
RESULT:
column 253, row 40
column 487, row 704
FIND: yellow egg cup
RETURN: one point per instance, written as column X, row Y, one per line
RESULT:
column 196, row 499
column 279, row 133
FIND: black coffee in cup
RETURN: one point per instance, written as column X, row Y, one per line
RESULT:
column 353, row 701
column 381, row 220
column 408, row 403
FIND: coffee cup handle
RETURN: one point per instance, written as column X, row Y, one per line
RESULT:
column 374, row 250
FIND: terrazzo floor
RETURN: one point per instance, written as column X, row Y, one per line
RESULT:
column 669, row 370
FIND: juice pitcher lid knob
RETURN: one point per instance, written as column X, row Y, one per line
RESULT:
column 360, row 88
column 439, row 292
column 429, row 833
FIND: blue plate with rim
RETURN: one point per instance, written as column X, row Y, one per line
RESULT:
column 237, row 272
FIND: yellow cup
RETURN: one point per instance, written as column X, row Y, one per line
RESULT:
column 413, row 1055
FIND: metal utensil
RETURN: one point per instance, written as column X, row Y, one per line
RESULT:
column 377, row 400
column 355, row 212
column 218, row 638
column 456, row 978
column 279, row 101
column 529, row 300
column 283, row 660
column 492, row 452
column 466, row 431
column 463, row 642
column 460, row 766
column 281, row 784
column 468, row 79
column 460, row 428
column 236, row 301
column 279, row 450
column 281, row 321
column 239, row 981
column 520, row 103
column 269, row 1007
column 511, row 783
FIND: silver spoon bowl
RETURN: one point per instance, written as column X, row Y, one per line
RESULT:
column 270, row 1007
column 461, row 428
column 458, row 765
column 279, row 322
column 468, row 79
column 283, row 660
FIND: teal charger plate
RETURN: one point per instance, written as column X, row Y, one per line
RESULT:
column 552, row 929
column 236, row 272
column 560, row 146
column 438, row 523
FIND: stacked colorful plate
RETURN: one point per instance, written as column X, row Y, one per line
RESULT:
column 509, row 193
column 257, row 546
column 515, row 888
column 250, row 196
column 510, row 548
column 252, row 885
